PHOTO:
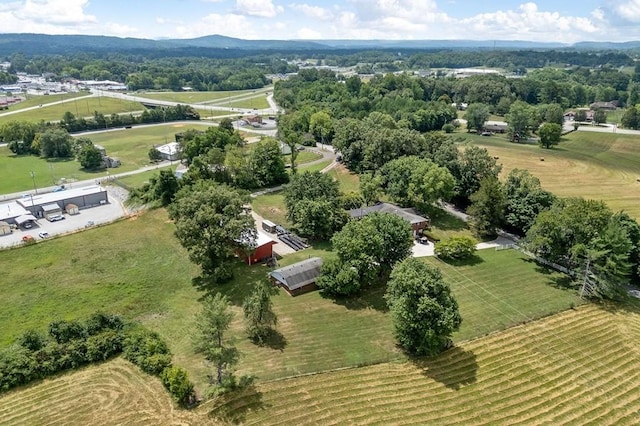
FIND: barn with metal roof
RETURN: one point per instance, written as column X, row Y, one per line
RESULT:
column 298, row 278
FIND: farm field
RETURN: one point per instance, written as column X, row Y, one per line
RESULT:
column 577, row 367
column 137, row 269
column 80, row 108
column 115, row 392
column 131, row 146
column 602, row 166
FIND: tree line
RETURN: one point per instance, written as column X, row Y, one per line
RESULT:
column 70, row 344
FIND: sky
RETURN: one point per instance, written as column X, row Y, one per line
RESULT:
column 566, row 21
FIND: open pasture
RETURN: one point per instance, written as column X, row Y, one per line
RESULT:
column 602, row 166
column 196, row 97
column 577, row 367
column 115, row 392
column 85, row 107
column 131, row 146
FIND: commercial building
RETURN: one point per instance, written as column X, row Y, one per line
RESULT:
column 82, row 198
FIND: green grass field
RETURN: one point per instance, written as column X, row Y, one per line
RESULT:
column 574, row 368
column 34, row 100
column 137, row 269
column 602, row 166
column 131, row 146
column 80, row 108
column 196, row 97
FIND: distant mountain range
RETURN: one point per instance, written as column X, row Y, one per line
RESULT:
column 60, row 44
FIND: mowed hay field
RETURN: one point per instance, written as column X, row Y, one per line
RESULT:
column 601, row 166
column 574, row 368
column 115, row 392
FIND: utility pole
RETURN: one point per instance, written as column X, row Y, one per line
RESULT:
column 33, row 177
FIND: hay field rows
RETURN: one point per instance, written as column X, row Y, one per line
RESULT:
column 115, row 392
column 577, row 367
column 601, row 166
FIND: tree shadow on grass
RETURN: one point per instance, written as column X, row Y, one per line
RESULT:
column 469, row 261
column 274, row 340
column 233, row 407
column 444, row 221
column 239, row 287
column 370, row 298
column 454, row 368
column 554, row 278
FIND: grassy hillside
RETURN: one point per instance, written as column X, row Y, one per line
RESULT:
column 80, row 108
column 131, row 146
column 577, row 367
column 602, row 166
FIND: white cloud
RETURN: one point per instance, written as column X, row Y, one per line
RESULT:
column 313, row 12
column 53, row 12
column 529, row 23
column 628, row 10
column 308, row 34
column 259, row 8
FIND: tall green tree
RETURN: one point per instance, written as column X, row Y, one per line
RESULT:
column 476, row 115
column 266, row 163
column 89, row 157
column 258, row 311
column 599, row 116
column 321, row 126
column 487, row 208
column 55, row 143
column 165, row 186
column 474, row 165
column 314, row 204
column 524, row 200
column 212, row 324
column 423, row 311
column 520, row 120
column 550, row 134
column 366, row 251
column 630, row 118
column 212, row 224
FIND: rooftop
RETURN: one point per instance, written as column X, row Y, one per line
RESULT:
column 54, row 197
column 10, row 210
column 388, row 208
column 299, row 274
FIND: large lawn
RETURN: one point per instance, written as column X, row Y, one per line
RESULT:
column 574, row 368
column 35, row 100
column 80, row 108
column 603, row 166
column 136, row 268
column 197, row 97
column 131, row 146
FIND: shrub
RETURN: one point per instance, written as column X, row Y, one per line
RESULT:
column 176, row 381
column 103, row 346
column 147, row 350
column 17, row 367
column 63, row 331
column 100, row 321
column 448, row 128
column 32, row 340
column 456, row 248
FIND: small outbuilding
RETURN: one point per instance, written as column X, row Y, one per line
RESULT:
column 5, row 228
column 298, row 278
column 71, row 209
column 264, row 249
column 25, row 221
column 52, row 209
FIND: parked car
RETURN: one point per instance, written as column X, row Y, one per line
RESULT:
column 55, row 217
column 43, row 235
column 27, row 225
column 28, row 239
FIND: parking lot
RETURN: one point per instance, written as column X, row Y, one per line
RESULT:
column 87, row 218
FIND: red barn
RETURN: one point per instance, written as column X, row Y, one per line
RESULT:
column 264, row 249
